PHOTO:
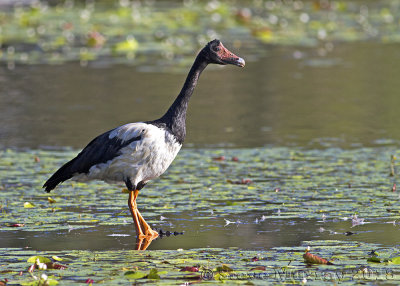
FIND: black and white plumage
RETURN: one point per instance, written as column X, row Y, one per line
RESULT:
column 138, row 152
column 133, row 153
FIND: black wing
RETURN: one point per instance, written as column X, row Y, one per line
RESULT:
column 99, row 150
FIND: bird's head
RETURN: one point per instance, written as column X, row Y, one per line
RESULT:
column 215, row 53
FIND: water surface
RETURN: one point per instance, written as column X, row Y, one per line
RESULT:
column 291, row 96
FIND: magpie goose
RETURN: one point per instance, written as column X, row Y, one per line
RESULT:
column 135, row 153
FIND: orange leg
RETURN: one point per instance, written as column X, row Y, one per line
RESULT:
column 143, row 243
column 133, row 208
column 146, row 228
column 143, row 230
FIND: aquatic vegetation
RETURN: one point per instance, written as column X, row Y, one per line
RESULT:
column 280, row 265
column 334, row 184
column 153, row 32
column 310, row 258
column 283, row 183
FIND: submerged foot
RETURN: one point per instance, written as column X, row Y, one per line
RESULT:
column 151, row 233
column 143, row 241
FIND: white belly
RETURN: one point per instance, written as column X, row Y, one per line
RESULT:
column 141, row 160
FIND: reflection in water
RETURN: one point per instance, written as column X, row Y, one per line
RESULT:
column 143, row 243
column 198, row 233
column 347, row 97
column 203, row 233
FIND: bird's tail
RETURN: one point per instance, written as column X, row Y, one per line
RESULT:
column 62, row 174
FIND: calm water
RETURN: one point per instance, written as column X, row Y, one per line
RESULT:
column 244, row 233
column 291, row 96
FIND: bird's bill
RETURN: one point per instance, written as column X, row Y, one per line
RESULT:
column 239, row 62
column 230, row 58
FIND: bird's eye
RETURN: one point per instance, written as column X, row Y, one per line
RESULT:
column 217, row 49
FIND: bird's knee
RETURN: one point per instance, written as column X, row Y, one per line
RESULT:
column 129, row 185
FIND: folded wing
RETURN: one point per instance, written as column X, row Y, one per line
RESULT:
column 103, row 148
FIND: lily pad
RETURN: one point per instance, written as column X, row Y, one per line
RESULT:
column 41, row 259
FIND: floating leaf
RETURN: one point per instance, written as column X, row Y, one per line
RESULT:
column 240, row 182
column 42, row 259
column 16, row 225
column 135, row 274
column 374, row 259
column 190, row 269
column 219, row 158
column 223, row 268
column 49, row 281
column 56, row 258
column 315, row 259
column 263, row 268
column 154, row 274
column 28, row 205
column 129, row 45
column 56, row 266
column 395, row 260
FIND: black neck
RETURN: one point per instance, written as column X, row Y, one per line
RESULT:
column 175, row 118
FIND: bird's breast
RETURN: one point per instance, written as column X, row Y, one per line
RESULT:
column 141, row 160
column 159, row 150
